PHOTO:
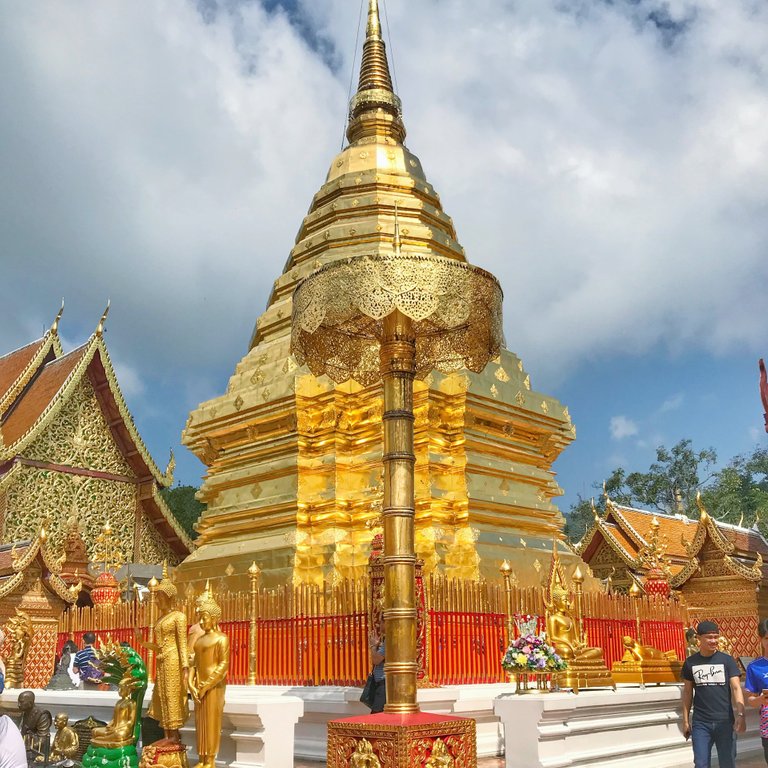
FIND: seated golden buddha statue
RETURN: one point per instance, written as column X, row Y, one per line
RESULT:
column 119, row 733
column 65, row 743
column 586, row 665
column 645, row 664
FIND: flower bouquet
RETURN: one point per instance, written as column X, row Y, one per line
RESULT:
column 531, row 656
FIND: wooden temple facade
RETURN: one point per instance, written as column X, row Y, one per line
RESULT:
column 69, row 450
column 717, row 568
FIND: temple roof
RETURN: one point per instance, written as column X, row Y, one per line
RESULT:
column 50, row 378
column 626, row 530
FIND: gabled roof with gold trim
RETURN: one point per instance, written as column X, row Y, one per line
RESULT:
column 47, row 391
column 15, row 559
column 626, row 529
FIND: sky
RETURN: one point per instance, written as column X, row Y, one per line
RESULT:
column 606, row 159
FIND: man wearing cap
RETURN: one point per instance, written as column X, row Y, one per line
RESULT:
column 711, row 683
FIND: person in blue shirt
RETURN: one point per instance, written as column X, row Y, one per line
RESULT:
column 756, row 684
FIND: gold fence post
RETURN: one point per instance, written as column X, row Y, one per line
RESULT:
column 151, row 632
column 634, row 593
column 253, row 574
column 578, row 586
column 506, row 571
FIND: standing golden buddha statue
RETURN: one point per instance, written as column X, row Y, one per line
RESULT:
column 208, row 678
column 169, row 698
column 19, row 628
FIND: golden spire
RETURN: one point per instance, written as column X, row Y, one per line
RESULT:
column 375, row 110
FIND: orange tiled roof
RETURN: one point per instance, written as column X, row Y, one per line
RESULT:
column 6, row 559
column 14, row 363
column 671, row 529
column 26, row 411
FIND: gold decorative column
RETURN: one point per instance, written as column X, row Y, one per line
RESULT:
column 254, row 572
column 393, row 318
column 578, row 588
column 151, row 630
column 506, row 571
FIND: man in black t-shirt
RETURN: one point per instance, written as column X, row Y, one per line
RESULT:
column 711, row 683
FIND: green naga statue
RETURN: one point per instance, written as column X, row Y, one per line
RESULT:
column 114, row 746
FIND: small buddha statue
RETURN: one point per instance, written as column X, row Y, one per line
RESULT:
column 20, row 631
column 634, row 651
column 65, row 743
column 563, row 631
column 645, row 664
column 440, row 757
column 120, row 731
column 35, row 723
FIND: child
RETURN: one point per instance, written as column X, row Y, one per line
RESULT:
column 757, row 684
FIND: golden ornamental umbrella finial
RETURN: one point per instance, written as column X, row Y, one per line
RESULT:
column 375, row 109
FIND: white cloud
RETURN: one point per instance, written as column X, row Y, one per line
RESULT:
column 131, row 384
column 672, row 403
column 613, row 175
column 621, row 427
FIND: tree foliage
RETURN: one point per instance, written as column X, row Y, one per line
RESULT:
column 184, row 506
column 738, row 493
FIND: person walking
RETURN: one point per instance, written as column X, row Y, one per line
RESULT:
column 711, row 683
column 756, row 685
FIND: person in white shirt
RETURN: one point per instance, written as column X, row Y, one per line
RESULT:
column 12, row 751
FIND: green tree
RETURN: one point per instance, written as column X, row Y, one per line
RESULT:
column 739, row 492
column 184, row 506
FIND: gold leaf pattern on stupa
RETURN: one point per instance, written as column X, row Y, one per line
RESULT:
column 501, row 375
column 494, row 390
column 527, row 382
column 520, row 399
column 544, row 406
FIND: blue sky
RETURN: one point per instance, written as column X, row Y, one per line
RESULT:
column 607, row 161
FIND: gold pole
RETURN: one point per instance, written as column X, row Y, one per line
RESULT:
column 398, row 363
column 634, row 593
column 578, row 583
column 506, row 572
column 253, row 574
column 151, row 634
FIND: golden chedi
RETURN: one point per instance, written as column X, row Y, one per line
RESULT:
column 295, row 462
column 565, row 631
column 208, row 678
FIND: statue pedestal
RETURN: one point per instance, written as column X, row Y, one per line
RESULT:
column 402, row 741
column 174, row 756
column 647, row 672
column 110, row 757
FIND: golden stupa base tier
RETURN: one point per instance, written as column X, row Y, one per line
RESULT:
column 162, row 756
column 586, row 676
column 647, row 672
column 410, row 740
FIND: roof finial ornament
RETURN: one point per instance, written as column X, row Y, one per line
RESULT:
column 100, row 326
column 55, row 326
